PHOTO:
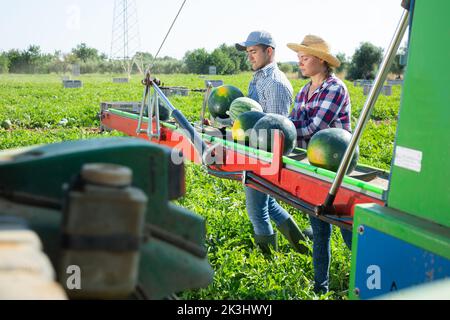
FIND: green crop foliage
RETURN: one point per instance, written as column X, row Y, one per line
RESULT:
column 38, row 110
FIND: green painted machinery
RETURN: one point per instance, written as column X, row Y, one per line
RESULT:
column 406, row 244
column 102, row 211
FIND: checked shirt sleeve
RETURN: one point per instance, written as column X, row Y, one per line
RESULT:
column 323, row 112
column 279, row 99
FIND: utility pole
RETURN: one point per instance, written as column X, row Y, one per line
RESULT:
column 125, row 40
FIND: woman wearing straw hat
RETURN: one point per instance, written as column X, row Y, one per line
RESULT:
column 322, row 103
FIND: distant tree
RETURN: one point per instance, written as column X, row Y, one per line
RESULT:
column 397, row 68
column 28, row 61
column 32, row 55
column 146, row 58
column 344, row 62
column 15, row 60
column 103, row 56
column 57, row 64
column 197, row 61
column 4, row 63
column 71, row 58
column 285, row 67
column 227, row 59
column 164, row 65
column 238, row 57
column 223, row 62
column 173, row 66
column 84, row 53
column 364, row 62
column 167, row 65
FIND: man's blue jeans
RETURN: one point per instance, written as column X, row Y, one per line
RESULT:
column 322, row 252
column 261, row 208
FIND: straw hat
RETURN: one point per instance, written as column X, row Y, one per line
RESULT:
column 317, row 47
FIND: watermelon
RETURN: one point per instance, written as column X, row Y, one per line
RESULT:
column 327, row 147
column 220, row 100
column 262, row 135
column 241, row 105
column 164, row 113
column 244, row 124
column 6, row 124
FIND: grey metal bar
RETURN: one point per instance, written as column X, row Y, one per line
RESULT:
column 150, row 108
column 158, row 124
column 153, row 103
column 141, row 113
column 367, row 110
column 254, row 180
column 205, row 102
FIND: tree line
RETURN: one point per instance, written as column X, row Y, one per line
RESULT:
column 227, row 60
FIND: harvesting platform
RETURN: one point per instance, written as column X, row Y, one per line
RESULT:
column 400, row 219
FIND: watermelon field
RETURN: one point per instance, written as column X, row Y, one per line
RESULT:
column 36, row 109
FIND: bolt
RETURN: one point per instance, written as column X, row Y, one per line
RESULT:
column 106, row 174
column 317, row 210
column 356, row 292
column 361, row 230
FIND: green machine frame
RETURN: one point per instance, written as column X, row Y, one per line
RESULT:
column 167, row 253
column 407, row 243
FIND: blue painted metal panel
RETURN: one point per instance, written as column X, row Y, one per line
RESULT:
column 385, row 264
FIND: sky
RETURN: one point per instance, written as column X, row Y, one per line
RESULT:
column 63, row 24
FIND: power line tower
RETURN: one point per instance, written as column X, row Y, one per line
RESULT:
column 125, row 43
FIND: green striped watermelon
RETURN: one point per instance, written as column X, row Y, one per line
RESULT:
column 262, row 136
column 327, row 147
column 220, row 100
column 244, row 124
column 241, row 105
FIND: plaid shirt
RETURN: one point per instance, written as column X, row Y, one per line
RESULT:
column 329, row 107
column 272, row 90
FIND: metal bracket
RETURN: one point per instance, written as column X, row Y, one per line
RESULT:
column 205, row 102
column 244, row 177
column 152, row 108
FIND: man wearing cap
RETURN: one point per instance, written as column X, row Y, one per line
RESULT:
column 274, row 92
column 322, row 103
column 269, row 85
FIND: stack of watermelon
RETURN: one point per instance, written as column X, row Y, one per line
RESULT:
column 229, row 102
column 325, row 149
column 257, row 129
column 251, row 125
